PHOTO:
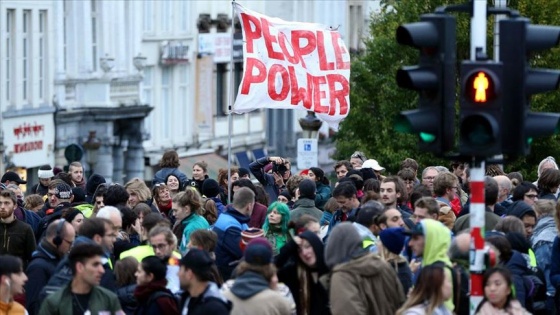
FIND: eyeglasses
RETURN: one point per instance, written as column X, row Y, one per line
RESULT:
column 159, row 246
column 358, row 155
column 69, row 242
column 531, row 196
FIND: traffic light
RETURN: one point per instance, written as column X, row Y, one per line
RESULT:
column 433, row 78
column 518, row 38
column 481, row 108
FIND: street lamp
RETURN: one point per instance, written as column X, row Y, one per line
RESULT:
column 310, row 125
column 92, row 146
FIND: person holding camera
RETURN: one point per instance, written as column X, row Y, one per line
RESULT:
column 276, row 181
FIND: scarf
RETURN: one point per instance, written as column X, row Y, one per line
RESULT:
column 164, row 208
column 276, row 238
column 143, row 292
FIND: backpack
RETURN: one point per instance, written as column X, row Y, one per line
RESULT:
column 535, row 288
column 153, row 298
column 461, row 294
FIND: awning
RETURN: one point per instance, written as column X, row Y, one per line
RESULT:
column 214, row 161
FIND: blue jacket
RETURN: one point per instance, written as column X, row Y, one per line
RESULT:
column 42, row 266
column 32, row 219
column 162, row 174
column 518, row 267
column 555, row 264
column 266, row 180
column 322, row 195
column 228, row 227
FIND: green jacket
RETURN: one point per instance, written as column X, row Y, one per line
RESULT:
column 190, row 224
column 101, row 301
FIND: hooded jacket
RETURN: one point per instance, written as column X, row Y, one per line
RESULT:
column 437, row 239
column 42, row 266
column 251, row 294
column 305, row 206
column 127, row 299
column 518, row 267
column 228, row 227
column 211, row 301
column 543, row 237
column 360, row 282
column 289, row 263
column 520, row 208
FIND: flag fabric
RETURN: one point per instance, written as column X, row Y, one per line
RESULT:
column 293, row 65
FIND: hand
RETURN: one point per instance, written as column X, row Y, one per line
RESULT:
column 276, row 159
column 278, row 180
column 137, row 226
column 414, row 265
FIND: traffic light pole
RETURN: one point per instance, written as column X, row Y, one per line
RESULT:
column 477, row 208
column 477, row 253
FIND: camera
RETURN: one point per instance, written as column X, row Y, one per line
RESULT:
column 279, row 168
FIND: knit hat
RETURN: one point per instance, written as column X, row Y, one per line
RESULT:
column 250, row 234
column 45, row 172
column 210, row 188
column 286, row 194
column 307, row 189
column 79, row 194
column 63, row 191
column 393, row 239
column 243, row 172
column 258, row 252
column 93, row 182
column 198, row 261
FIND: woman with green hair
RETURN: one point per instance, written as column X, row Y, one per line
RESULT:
column 275, row 225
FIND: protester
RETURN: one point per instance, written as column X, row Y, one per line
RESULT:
column 392, row 244
column 305, row 203
column 275, row 226
column 199, row 175
column 12, row 282
column 125, row 273
column 187, row 207
column 151, row 293
column 498, row 295
column 433, row 288
column 169, row 164
column 323, row 186
column 83, row 293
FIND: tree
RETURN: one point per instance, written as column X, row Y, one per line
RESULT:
column 376, row 100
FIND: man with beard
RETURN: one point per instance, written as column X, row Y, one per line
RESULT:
column 16, row 236
column 83, row 295
column 164, row 243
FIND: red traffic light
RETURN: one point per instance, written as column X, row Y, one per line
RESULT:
column 480, row 87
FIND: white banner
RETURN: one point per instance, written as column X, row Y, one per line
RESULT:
column 293, row 65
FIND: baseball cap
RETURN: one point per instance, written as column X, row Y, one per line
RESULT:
column 371, row 163
column 197, row 260
column 12, row 177
column 63, row 191
column 418, row 229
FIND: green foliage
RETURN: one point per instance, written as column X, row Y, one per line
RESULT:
column 376, row 99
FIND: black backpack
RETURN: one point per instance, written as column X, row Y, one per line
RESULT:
column 534, row 282
column 167, row 293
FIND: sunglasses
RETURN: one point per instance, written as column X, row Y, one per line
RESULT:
column 358, row 155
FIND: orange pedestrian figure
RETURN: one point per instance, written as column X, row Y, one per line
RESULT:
column 480, row 84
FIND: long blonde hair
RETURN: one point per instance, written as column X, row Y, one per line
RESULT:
column 428, row 289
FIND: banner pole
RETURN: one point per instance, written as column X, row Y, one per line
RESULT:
column 230, row 100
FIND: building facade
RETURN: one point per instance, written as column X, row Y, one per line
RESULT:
column 115, row 83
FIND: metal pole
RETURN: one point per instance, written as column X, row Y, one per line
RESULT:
column 501, row 4
column 478, row 28
column 477, row 223
column 230, row 102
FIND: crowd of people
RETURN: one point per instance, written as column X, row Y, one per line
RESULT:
column 264, row 240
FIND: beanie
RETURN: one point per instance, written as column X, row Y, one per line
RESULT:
column 243, row 172
column 393, row 239
column 63, row 191
column 93, row 182
column 307, row 189
column 250, row 234
column 79, row 194
column 210, row 188
column 258, row 252
column 45, row 172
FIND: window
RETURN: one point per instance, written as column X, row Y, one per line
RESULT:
column 9, row 52
column 148, row 16
column 166, row 101
column 183, row 98
column 184, row 16
column 221, row 89
column 26, row 54
column 94, row 30
column 42, row 54
column 166, row 17
column 147, row 95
